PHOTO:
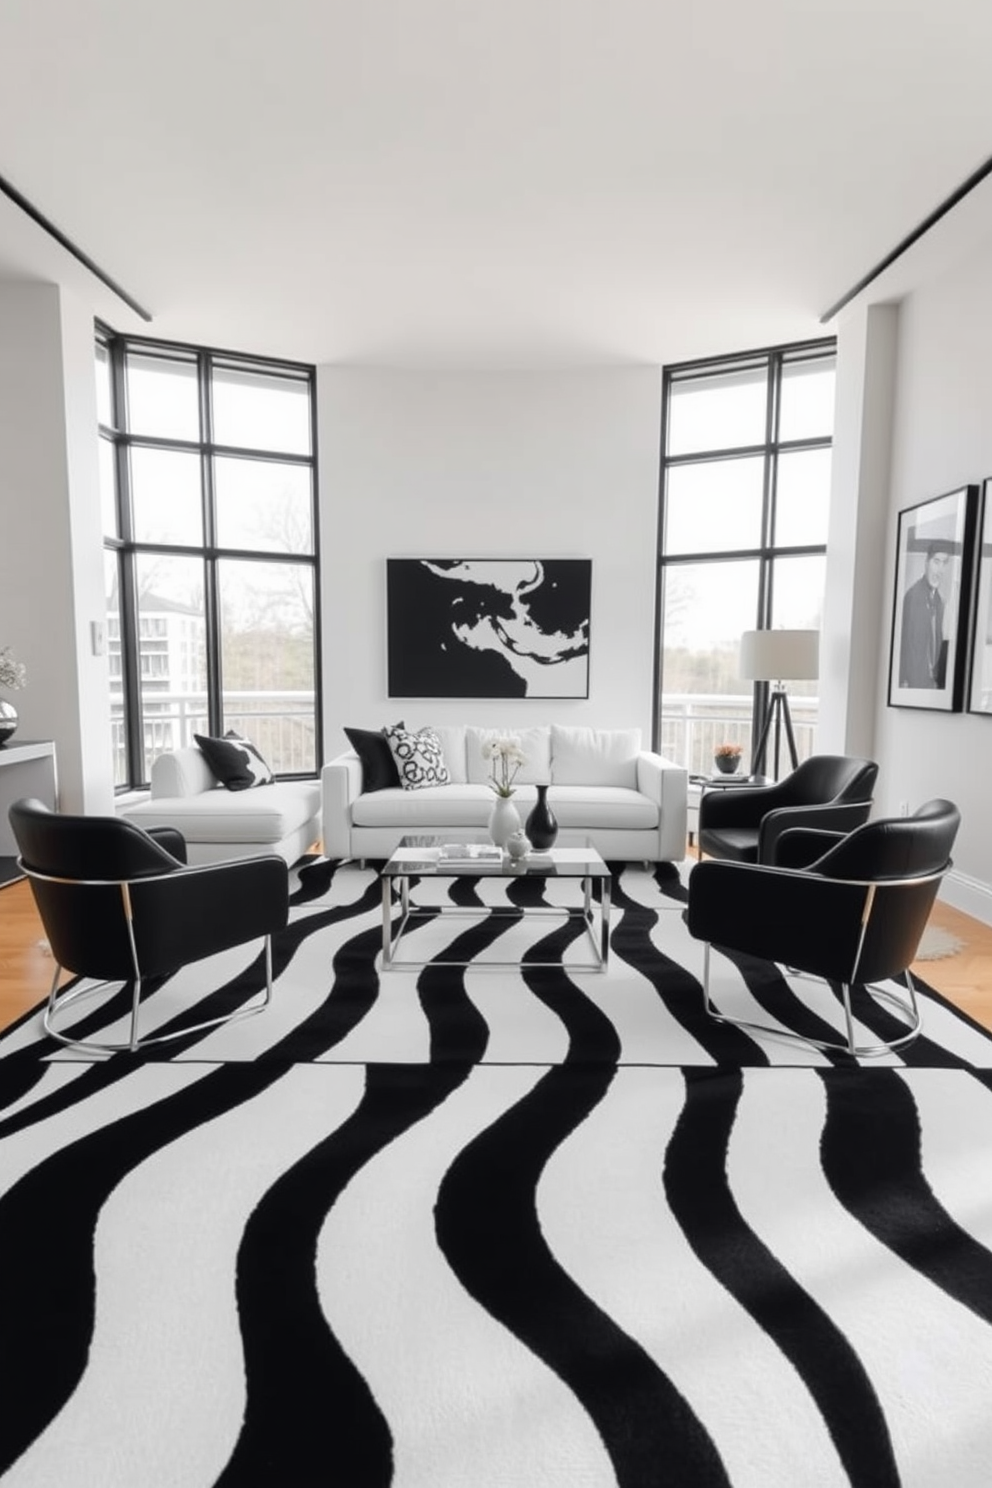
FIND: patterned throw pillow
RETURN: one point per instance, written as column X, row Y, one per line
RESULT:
column 419, row 758
column 235, row 761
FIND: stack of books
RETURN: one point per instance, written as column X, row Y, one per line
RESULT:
column 479, row 853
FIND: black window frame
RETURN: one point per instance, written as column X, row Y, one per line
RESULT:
column 772, row 360
column 127, row 549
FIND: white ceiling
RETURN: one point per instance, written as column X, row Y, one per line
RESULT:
column 443, row 182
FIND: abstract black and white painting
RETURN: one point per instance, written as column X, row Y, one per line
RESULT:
column 488, row 627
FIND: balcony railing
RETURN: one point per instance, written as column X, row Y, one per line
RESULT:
column 693, row 724
column 279, row 724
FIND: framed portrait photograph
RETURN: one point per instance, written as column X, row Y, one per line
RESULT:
column 980, row 682
column 934, row 555
column 488, row 627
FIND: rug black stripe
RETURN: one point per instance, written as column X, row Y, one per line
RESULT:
column 884, row 1025
column 458, row 1031
column 76, row 1092
column 489, row 1230
column 699, row 1195
column 592, row 1037
column 776, row 997
column 678, row 989
column 310, row 1417
column 47, row 1224
column 20, row 1072
column 873, row 1162
column 353, row 988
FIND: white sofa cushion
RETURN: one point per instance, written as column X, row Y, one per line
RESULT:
column 452, row 741
column 436, row 807
column 432, row 807
column 599, row 807
column 535, row 744
column 586, row 756
column 219, row 815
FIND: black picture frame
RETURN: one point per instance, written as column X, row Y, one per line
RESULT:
column 931, row 600
column 980, row 657
column 488, row 627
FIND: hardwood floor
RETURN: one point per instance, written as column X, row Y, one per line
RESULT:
column 26, row 964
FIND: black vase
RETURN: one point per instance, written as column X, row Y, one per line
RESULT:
column 542, row 824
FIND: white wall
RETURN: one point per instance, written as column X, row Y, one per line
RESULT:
column 471, row 465
column 51, row 574
column 941, row 439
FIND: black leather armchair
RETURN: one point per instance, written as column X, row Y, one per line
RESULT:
column 829, row 791
column 853, row 916
column 119, row 904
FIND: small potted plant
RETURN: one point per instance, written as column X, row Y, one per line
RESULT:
column 727, row 757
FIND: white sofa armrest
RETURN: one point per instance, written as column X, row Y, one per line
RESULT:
column 182, row 772
column 340, row 785
column 667, row 783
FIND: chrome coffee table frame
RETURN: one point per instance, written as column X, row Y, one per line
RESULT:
column 419, row 856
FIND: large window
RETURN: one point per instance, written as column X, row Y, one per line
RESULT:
column 208, row 482
column 745, row 500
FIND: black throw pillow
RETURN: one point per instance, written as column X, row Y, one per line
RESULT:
column 235, row 761
column 378, row 766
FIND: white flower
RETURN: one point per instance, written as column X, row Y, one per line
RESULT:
column 13, row 674
column 507, row 757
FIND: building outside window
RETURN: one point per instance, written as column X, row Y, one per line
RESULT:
column 208, row 490
column 745, row 496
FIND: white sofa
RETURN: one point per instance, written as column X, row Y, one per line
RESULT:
column 630, row 802
column 219, row 824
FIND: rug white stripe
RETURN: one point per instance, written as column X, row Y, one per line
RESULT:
column 957, row 1170
column 466, row 1402
column 166, row 1330
column 54, row 1077
column 648, row 1032
column 26, row 1149
column 929, row 1358
column 604, row 1213
column 521, row 1028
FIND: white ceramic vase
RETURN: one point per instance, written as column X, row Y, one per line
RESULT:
column 504, row 820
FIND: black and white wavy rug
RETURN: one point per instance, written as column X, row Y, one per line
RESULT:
column 495, row 1230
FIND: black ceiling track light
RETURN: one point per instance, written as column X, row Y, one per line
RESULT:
column 975, row 179
column 67, row 243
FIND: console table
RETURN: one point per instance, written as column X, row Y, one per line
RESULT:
column 26, row 769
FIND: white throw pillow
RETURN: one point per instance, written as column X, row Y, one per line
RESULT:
column 535, row 745
column 453, row 748
column 419, row 758
column 586, row 756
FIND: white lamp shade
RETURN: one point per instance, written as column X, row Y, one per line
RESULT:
column 780, row 655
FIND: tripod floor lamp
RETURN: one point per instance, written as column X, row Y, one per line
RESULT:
column 778, row 656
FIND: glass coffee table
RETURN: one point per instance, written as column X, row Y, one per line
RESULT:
column 421, row 856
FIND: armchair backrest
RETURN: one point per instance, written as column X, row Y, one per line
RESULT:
column 80, row 860
column 886, row 853
column 85, row 847
column 895, row 847
column 829, row 778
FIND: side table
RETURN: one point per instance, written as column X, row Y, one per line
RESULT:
column 27, row 768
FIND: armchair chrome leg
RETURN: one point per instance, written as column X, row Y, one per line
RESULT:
column 134, row 1043
column 268, row 971
column 51, row 995
column 135, row 1000
column 845, row 991
column 908, row 1010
